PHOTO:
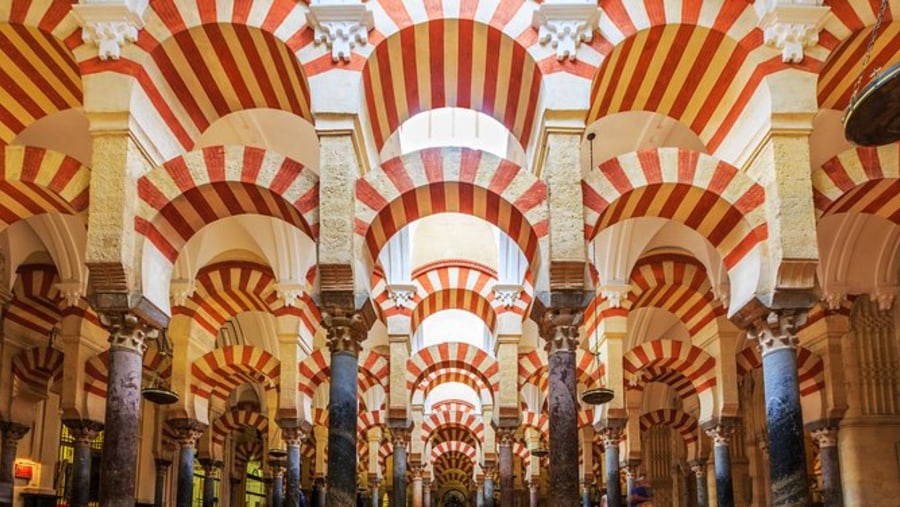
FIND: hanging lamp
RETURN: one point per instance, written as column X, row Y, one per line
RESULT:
column 159, row 391
column 873, row 116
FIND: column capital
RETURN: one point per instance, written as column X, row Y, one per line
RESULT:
column 417, row 470
column 721, row 430
column 84, row 431
column 506, row 435
column 698, row 466
column 825, row 436
column 13, row 432
column 292, row 435
column 347, row 328
column 186, row 431
column 491, row 472
column 559, row 327
column 612, row 433
column 127, row 331
column 401, row 436
column 162, row 463
column 776, row 330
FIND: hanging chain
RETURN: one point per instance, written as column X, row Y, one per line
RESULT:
column 869, row 47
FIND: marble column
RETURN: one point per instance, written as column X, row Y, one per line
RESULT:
column 374, row 482
column 490, row 476
column 698, row 466
column 83, row 433
column 479, row 493
column 211, row 468
column 585, row 493
column 534, row 491
column 611, row 436
column 631, row 473
column 12, row 433
column 721, row 435
column 292, row 433
column 827, row 439
column 687, row 477
column 159, row 493
column 319, row 492
column 346, row 332
column 559, row 327
column 400, row 439
column 505, row 437
column 416, row 471
column 426, row 487
column 277, row 485
column 186, row 432
column 784, row 419
column 118, row 467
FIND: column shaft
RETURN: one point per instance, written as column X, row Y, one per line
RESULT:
column 185, row 491
column 342, row 413
column 563, row 429
column 533, row 496
column 81, row 473
column 613, row 488
column 210, row 497
column 699, row 469
column 235, row 493
column 586, row 495
column 629, row 485
column 291, row 495
column 488, row 492
column 427, row 495
column 12, row 433
column 417, row 492
column 724, row 486
column 479, row 496
column 507, row 492
column 832, row 492
column 162, row 467
column 278, row 489
column 399, row 478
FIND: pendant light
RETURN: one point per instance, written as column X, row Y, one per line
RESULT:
column 599, row 395
column 159, row 391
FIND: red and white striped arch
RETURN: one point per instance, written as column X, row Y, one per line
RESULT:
column 187, row 193
column 860, row 180
column 453, row 405
column 680, row 421
column 535, row 420
column 453, row 446
column 96, row 370
column 236, row 419
column 461, row 356
column 454, row 299
column 663, row 375
column 453, row 466
column 36, row 300
column 451, row 63
column 38, row 73
column 367, row 420
column 810, row 368
column 448, row 418
column 453, row 433
column 697, row 190
column 692, row 362
column 678, row 284
column 34, row 181
column 315, row 370
column 438, row 376
column 222, row 370
column 451, row 180
column 521, row 450
column 246, row 451
column 38, row 367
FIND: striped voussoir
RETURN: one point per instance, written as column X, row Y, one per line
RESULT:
column 432, row 65
column 678, row 284
column 443, row 375
column 466, row 421
column 451, row 180
column 810, row 368
column 680, row 421
column 222, row 370
column 538, row 421
column 96, row 370
column 461, row 356
column 695, row 189
column 469, row 451
column 860, row 180
column 682, row 385
column 36, row 300
column 367, row 420
column 38, row 74
column 34, row 181
column 838, row 77
column 597, row 310
column 452, row 465
column 246, row 451
column 38, row 367
column 521, row 450
column 236, row 419
column 454, row 299
column 315, row 370
column 187, row 193
column 453, row 405
column 693, row 363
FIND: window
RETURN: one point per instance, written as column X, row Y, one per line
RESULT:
column 62, row 478
column 256, row 490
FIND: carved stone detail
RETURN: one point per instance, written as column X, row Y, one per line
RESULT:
column 83, row 431
column 507, row 295
column 341, row 25
column 611, row 435
column 109, row 24
column 505, row 436
column 884, row 296
column 181, row 290
column 791, row 25
column 565, row 24
column 560, row 328
column 13, row 432
column 71, row 292
column 615, row 294
column 292, row 436
column 698, row 466
column 401, row 436
column 186, row 431
column 346, row 329
column 416, row 470
column 127, row 331
column 721, row 433
column 776, row 331
column 825, row 437
column 401, row 294
column 290, row 292
column 834, row 298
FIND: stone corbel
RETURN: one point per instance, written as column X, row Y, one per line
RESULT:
column 884, row 297
column 71, row 292
column 834, row 297
column 110, row 24
column 401, row 294
column 290, row 292
column 507, row 295
column 181, row 290
column 341, row 25
column 615, row 294
column 722, row 292
column 565, row 24
column 791, row 25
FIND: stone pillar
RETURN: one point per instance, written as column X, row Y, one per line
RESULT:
column 698, row 466
column 83, row 432
column 292, row 432
column 186, row 431
column 118, row 468
column 505, row 437
column 784, row 418
column 611, row 436
column 346, row 331
column 400, row 439
column 631, row 472
column 490, row 476
column 827, row 439
column 162, row 468
column 210, row 495
column 533, row 493
column 416, row 470
column 277, row 485
column 559, row 327
column 374, row 482
column 426, row 486
column 318, row 492
column 12, row 433
column 721, row 434
column 479, row 493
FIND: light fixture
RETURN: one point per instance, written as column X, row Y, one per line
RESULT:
column 158, row 391
column 599, row 395
column 873, row 116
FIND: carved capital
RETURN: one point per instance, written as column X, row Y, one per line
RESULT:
column 559, row 326
column 491, row 473
column 791, row 25
column 506, row 436
column 426, row 484
column 507, row 295
column 346, row 329
column 565, row 24
column 884, row 296
column 402, row 294
column 71, row 292
column 835, row 297
column 84, row 431
column 293, row 431
column 127, row 331
column 186, row 431
column 777, row 330
column 110, row 24
column 341, row 25
column 632, row 470
column 400, row 437
column 290, row 292
column 612, row 435
column 181, row 290
column 13, row 432
column 698, row 466
column 615, row 294
column 825, row 436
column 721, row 433
column 417, row 470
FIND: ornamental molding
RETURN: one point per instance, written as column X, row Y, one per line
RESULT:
column 834, row 297
column 884, row 297
column 401, row 294
column 791, row 25
column 181, row 290
column 71, row 292
column 565, row 24
column 507, row 295
column 615, row 294
column 341, row 25
column 290, row 293
column 110, row 24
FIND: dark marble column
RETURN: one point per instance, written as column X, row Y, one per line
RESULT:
column 784, row 418
column 490, row 476
column 612, row 435
column 400, row 438
column 721, row 435
column 12, row 433
column 162, row 468
column 118, row 467
column 698, row 466
column 186, row 431
column 559, row 327
column 827, row 439
column 418, row 494
column 83, row 432
column 277, row 484
column 210, row 495
column 687, row 478
column 534, row 492
column 292, row 433
column 426, row 487
column 346, row 331
column 505, row 437
column 268, row 482
column 318, row 492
